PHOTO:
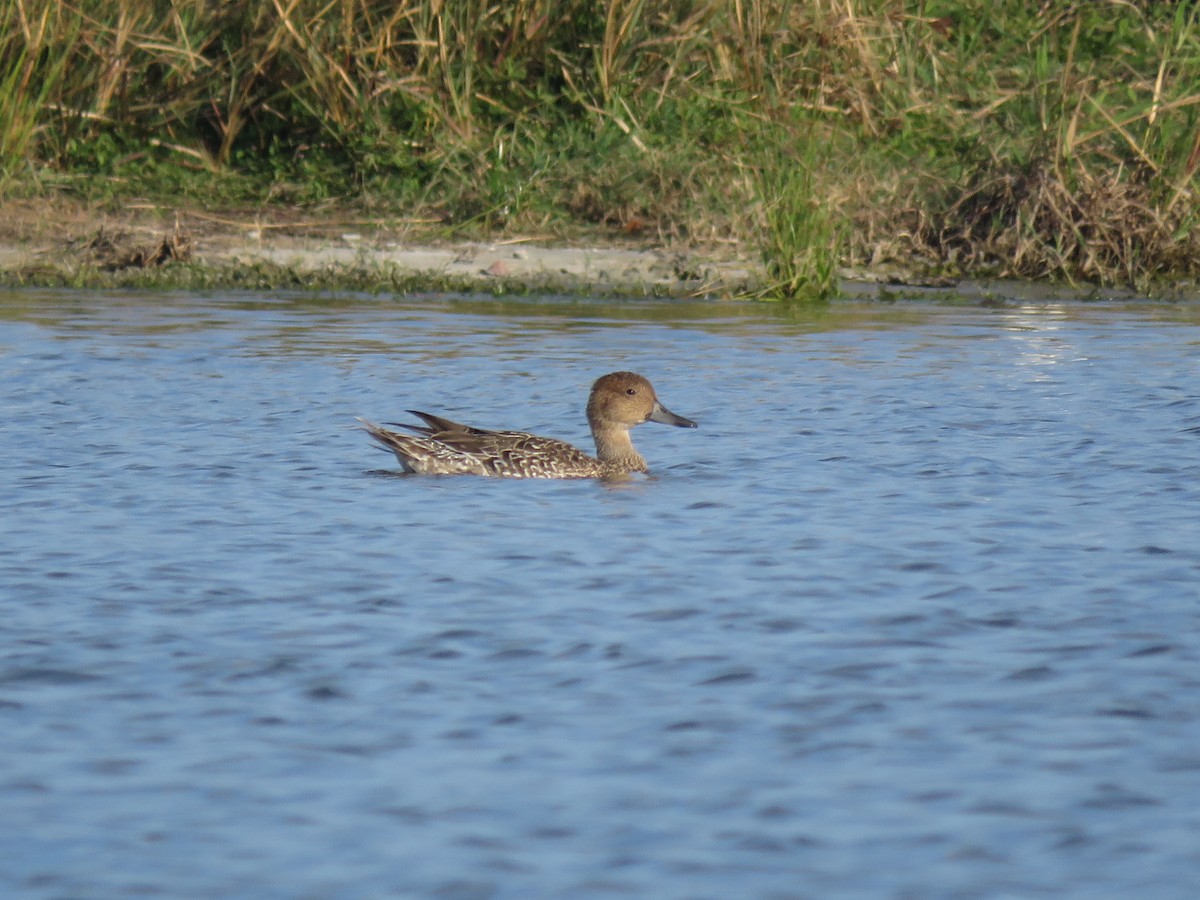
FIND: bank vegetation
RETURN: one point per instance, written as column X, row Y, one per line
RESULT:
column 1054, row 140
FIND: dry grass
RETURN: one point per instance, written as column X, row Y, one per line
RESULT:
column 1107, row 228
column 1045, row 140
column 112, row 251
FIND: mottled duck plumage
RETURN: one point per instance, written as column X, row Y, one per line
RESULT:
column 617, row 402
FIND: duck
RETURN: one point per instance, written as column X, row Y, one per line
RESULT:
column 617, row 402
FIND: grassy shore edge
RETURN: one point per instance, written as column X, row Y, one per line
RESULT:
column 1055, row 142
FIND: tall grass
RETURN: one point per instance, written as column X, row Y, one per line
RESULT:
column 34, row 51
column 801, row 233
column 1058, row 140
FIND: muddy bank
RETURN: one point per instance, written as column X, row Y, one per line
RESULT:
column 39, row 240
column 57, row 242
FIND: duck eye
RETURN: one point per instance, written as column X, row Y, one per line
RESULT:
column 631, row 391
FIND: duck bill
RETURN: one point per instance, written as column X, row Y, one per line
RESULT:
column 664, row 416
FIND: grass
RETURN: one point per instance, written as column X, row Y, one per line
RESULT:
column 1051, row 141
column 801, row 236
column 385, row 278
column 35, row 52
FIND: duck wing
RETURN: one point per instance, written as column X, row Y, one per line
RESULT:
column 438, row 425
column 443, row 446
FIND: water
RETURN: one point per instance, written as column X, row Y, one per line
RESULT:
column 914, row 613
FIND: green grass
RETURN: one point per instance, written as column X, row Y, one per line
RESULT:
column 1036, row 140
column 801, row 235
column 35, row 52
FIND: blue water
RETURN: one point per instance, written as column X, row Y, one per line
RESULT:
column 914, row 613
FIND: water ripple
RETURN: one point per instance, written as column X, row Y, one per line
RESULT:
column 911, row 614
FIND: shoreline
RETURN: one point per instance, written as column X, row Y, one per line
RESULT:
column 50, row 242
column 55, row 244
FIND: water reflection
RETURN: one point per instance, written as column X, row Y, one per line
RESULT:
column 1039, row 337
